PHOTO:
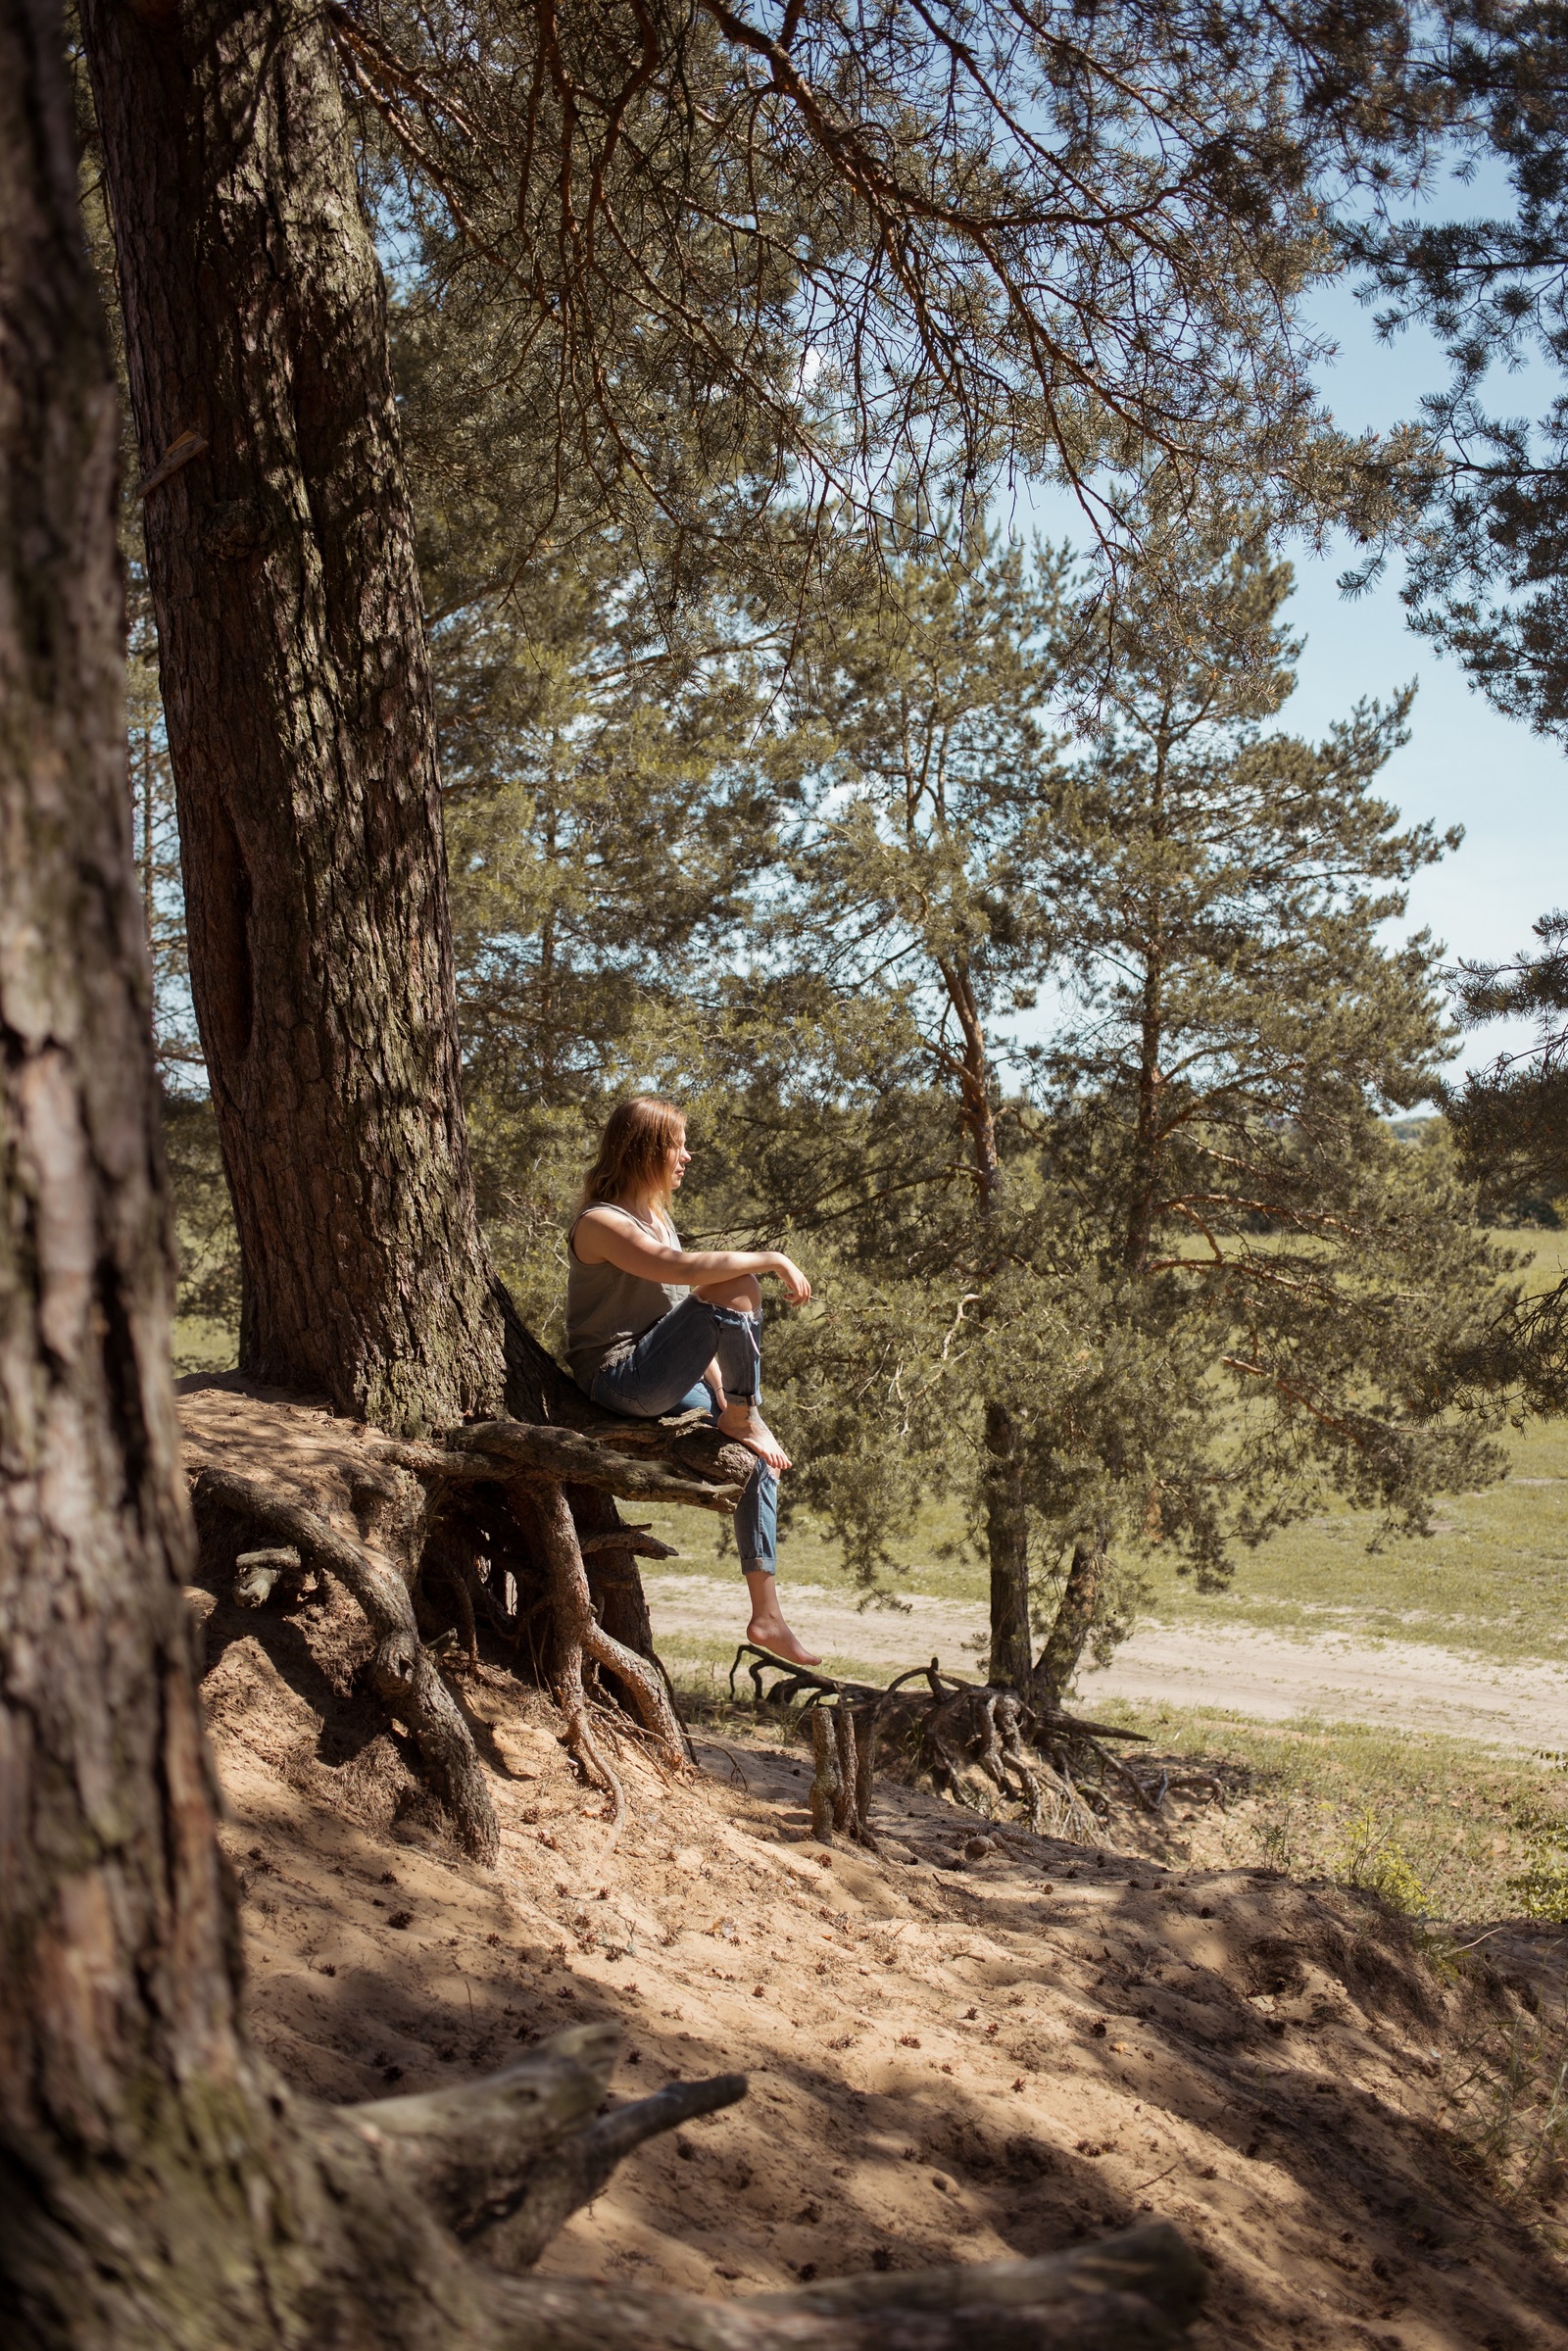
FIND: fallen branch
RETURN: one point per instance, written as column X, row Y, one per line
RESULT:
column 1156, row 2263
column 1074, row 2301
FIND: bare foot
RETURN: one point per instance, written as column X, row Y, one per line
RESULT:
column 745, row 1425
column 771, row 1633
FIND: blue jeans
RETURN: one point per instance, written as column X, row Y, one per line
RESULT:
column 662, row 1373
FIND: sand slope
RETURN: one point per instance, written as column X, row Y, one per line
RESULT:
column 945, row 2063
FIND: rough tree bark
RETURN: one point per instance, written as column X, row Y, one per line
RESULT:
column 1006, row 1516
column 301, row 734
column 1007, row 1544
column 157, row 2186
column 1074, row 1620
column 301, row 731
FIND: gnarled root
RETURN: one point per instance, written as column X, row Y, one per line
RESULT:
column 939, row 1729
column 578, row 1629
column 407, row 1679
column 403, row 1672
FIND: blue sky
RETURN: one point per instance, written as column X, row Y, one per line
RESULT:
column 1465, row 763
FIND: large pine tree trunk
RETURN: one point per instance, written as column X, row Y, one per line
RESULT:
column 122, row 2079
column 300, row 720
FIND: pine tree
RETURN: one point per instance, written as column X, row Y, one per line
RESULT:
column 1194, row 1276
column 1217, row 1104
column 926, row 861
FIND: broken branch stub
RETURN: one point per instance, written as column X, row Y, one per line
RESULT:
column 573, row 2174
column 469, row 2151
column 506, row 2161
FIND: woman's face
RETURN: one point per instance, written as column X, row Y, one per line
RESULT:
column 680, row 1159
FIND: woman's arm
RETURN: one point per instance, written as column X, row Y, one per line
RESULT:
column 608, row 1236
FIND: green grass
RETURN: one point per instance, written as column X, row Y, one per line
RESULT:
column 1436, row 1825
column 1491, row 1579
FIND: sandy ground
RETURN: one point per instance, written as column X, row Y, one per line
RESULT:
column 1408, row 1684
column 954, row 2049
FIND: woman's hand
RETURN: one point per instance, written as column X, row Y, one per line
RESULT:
column 796, row 1289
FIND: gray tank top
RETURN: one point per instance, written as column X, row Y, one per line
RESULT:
column 608, row 1310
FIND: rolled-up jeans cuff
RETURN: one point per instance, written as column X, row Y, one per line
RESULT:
column 757, row 1522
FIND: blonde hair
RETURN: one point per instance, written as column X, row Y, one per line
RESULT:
column 634, row 1151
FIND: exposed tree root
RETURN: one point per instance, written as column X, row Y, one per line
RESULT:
column 403, row 1672
column 939, row 1730
column 578, row 1629
column 510, row 1527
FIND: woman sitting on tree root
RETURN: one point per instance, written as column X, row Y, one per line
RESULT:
column 654, row 1328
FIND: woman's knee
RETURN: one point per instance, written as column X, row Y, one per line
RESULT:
column 740, row 1293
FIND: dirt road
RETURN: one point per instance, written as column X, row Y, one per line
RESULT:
column 1409, row 1685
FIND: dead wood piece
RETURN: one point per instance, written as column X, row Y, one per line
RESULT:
column 402, row 1672
column 840, row 1784
column 1154, row 2262
column 564, row 1457
column 257, row 1573
column 470, row 2151
column 572, row 2173
column 826, row 1792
